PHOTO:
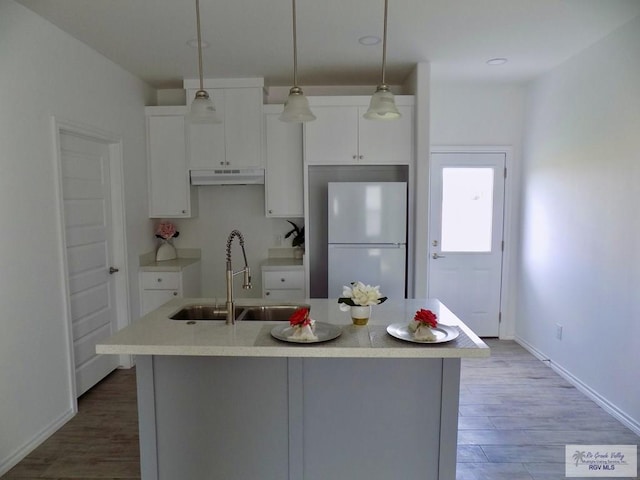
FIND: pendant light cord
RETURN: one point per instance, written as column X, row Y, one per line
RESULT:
column 199, row 43
column 295, row 47
column 384, row 40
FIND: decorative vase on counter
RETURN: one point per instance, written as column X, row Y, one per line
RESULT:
column 166, row 251
column 360, row 314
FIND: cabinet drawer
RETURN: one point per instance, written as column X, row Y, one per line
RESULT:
column 292, row 294
column 283, row 280
column 160, row 280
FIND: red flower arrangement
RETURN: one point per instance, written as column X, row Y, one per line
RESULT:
column 426, row 317
column 300, row 317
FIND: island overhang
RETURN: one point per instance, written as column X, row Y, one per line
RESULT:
column 157, row 334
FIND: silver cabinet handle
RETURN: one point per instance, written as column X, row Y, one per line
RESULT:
column 436, row 256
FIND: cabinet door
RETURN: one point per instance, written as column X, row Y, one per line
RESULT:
column 169, row 189
column 243, row 127
column 386, row 142
column 283, row 162
column 333, row 137
column 152, row 299
column 206, row 141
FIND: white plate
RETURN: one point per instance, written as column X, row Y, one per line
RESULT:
column 443, row 333
column 324, row 332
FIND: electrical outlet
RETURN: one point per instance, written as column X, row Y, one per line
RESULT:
column 558, row 331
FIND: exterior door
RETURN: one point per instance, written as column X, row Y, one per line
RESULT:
column 466, row 231
column 88, row 237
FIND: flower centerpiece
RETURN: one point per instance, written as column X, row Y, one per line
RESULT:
column 166, row 231
column 422, row 325
column 303, row 326
column 358, row 299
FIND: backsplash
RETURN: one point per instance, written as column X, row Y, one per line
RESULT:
column 223, row 209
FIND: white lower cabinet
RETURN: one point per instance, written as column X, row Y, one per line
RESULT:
column 283, row 284
column 297, row 418
column 158, row 287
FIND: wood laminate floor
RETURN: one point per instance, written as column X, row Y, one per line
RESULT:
column 516, row 416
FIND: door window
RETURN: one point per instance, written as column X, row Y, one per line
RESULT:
column 467, row 209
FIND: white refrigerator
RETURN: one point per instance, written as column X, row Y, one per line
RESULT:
column 367, row 235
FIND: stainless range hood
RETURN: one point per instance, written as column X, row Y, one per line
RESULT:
column 228, row 176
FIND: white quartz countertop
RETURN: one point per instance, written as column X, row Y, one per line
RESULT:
column 157, row 334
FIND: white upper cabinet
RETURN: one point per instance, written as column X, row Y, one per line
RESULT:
column 170, row 194
column 284, row 165
column 340, row 134
column 206, row 141
column 237, row 141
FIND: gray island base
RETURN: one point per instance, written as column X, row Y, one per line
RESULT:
column 363, row 406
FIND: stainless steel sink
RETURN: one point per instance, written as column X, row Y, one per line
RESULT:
column 203, row 312
column 267, row 313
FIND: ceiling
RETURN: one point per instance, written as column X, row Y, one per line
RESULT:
column 250, row 38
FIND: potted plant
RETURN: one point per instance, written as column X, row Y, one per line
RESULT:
column 297, row 239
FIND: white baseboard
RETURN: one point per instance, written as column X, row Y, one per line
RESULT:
column 609, row 407
column 12, row 460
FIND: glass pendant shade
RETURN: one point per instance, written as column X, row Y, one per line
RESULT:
column 296, row 108
column 202, row 109
column 382, row 105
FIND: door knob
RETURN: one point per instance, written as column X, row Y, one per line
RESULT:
column 436, row 256
column 113, row 270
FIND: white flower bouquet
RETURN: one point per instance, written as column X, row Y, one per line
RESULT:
column 359, row 294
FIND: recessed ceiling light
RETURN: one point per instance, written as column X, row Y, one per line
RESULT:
column 497, row 61
column 369, row 40
column 194, row 43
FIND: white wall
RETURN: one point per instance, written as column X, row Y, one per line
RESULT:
column 223, row 208
column 476, row 114
column 45, row 72
column 465, row 114
column 580, row 224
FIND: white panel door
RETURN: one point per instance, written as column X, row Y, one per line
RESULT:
column 466, row 230
column 87, row 217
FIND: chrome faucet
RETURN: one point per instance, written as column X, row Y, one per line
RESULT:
column 246, row 284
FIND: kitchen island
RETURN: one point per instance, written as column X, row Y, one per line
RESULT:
column 232, row 402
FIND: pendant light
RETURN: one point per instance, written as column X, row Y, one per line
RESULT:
column 382, row 106
column 296, row 108
column 202, row 107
